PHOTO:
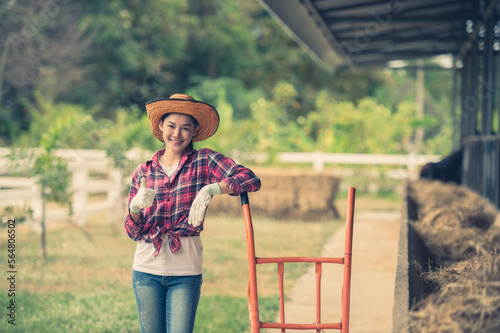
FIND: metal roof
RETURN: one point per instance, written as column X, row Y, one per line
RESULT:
column 370, row 33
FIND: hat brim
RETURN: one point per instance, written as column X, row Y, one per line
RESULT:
column 205, row 114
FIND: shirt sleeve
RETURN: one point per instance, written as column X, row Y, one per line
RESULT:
column 237, row 177
column 134, row 230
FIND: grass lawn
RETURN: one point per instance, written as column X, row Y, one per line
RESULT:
column 85, row 285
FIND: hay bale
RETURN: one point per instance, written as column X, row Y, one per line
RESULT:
column 430, row 195
column 456, row 233
column 468, row 300
column 439, row 234
column 457, row 225
column 453, row 221
column 303, row 195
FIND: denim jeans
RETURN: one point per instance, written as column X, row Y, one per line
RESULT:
column 166, row 303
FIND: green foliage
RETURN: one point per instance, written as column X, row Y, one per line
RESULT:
column 51, row 173
column 129, row 129
column 275, row 127
column 258, row 124
column 53, row 177
column 271, row 96
column 18, row 213
column 60, row 125
column 135, row 47
column 9, row 126
column 367, row 127
column 226, row 95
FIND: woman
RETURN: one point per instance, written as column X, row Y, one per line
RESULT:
column 168, row 198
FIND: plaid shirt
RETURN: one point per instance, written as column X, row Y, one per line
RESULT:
column 170, row 210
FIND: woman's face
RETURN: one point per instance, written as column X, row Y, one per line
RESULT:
column 178, row 131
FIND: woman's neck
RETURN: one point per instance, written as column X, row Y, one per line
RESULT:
column 170, row 159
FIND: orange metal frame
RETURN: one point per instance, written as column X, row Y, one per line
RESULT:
column 253, row 261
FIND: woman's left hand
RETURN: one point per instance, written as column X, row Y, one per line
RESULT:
column 201, row 202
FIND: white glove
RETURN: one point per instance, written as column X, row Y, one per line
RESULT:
column 144, row 198
column 201, row 202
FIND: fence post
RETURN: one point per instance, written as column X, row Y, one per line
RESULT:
column 80, row 195
column 411, row 166
column 318, row 161
column 114, row 195
column 36, row 203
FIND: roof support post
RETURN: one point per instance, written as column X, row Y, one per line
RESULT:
column 487, row 90
column 454, row 122
column 464, row 94
column 474, row 90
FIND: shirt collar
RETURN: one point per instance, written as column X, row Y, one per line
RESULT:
column 155, row 159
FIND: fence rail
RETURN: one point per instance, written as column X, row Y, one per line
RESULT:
column 92, row 173
column 319, row 159
column 86, row 164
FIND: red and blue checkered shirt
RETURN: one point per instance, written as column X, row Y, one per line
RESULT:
column 170, row 210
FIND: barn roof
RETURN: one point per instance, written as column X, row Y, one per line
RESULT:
column 370, row 33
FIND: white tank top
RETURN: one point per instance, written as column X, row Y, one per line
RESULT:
column 187, row 261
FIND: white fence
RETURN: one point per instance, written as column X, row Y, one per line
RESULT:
column 93, row 173
column 319, row 159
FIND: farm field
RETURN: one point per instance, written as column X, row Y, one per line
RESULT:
column 84, row 285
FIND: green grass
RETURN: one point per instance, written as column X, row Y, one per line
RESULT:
column 85, row 285
column 224, row 313
column 111, row 310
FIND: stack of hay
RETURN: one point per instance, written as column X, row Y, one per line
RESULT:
column 458, row 227
column 303, row 195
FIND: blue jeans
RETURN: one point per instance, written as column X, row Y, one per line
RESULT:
column 166, row 303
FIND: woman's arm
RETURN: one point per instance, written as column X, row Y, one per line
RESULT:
column 236, row 178
column 135, row 217
column 224, row 188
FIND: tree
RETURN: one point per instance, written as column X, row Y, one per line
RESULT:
column 52, row 175
column 109, row 58
column 136, row 49
column 56, row 126
column 275, row 129
column 41, row 52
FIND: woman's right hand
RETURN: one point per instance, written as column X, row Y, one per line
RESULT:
column 144, row 198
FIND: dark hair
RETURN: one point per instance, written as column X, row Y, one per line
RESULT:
column 195, row 123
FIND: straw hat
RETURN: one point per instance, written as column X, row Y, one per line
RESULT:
column 206, row 115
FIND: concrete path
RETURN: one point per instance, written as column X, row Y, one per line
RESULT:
column 374, row 260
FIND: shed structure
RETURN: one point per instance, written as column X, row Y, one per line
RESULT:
column 372, row 33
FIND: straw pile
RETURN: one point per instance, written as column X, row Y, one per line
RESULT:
column 458, row 227
column 302, row 195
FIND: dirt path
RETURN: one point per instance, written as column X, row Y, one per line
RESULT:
column 374, row 258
